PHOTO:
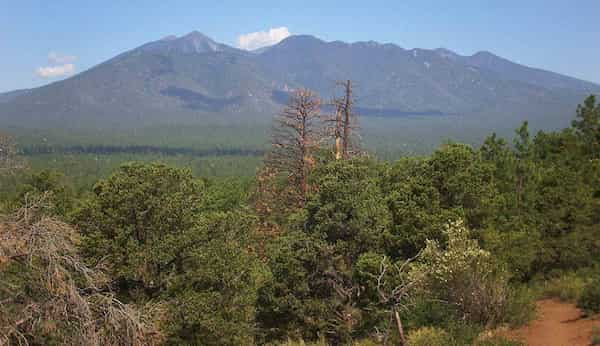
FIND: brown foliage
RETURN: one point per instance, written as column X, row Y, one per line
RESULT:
column 283, row 181
column 295, row 137
column 48, row 293
column 265, row 202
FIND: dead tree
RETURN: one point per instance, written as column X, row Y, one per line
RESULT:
column 396, row 290
column 48, row 291
column 344, row 123
column 295, row 137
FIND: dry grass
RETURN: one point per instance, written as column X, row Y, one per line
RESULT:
column 53, row 294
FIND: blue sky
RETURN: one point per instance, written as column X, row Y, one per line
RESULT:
column 561, row 36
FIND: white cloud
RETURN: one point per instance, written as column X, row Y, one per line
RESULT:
column 55, row 71
column 60, row 65
column 58, row 58
column 259, row 39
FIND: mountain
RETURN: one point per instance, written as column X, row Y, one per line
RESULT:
column 187, row 79
column 394, row 80
column 192, row 43
column 193, row 79
column 8, row 96
column 510, row 71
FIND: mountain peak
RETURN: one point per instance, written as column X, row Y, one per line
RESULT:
column 169, row 38
column 304, row 41
column 487, row 59
column 447, row 53
column 368, row 44
column 193, row 42
column 197, row 42
column 484, row 54
column 195, row 35
column 295, row 43
column 301, row 39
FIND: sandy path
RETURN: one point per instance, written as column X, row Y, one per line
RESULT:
column 557, row 324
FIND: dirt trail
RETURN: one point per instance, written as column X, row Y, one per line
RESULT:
column 557, row 324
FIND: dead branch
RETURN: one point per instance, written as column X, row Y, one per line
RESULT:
column 58, row 294
column 398, row 296
column 295, row 137
column 343, row 125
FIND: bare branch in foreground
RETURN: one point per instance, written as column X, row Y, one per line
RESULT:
column 48, row 293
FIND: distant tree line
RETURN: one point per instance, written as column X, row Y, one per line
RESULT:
column 137, row 149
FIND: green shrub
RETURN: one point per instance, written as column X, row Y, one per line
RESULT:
column 596, row 335
column 498, row 341
column 366, row 342
column 148, row 225
column 520, row 308
column 427, row 312
column 589, row 300
column 518, row 250
column 567, row 287
column 430, row 336
column 53, row 185
column 463, row 332
column 296, row 302
column 322, row 342
column 301, row 342
column 465, row 276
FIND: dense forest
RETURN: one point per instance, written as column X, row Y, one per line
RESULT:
column 327, row 244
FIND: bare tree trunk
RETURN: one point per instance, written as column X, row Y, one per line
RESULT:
column 344, row 122
column 347, row 115
column 520, row 183
column 338, row 148
column 400, row 328
column 304, row 140
column 338, row 134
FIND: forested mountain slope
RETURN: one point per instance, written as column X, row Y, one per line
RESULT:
column 193, row 79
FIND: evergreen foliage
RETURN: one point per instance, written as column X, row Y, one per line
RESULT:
column 438, row 247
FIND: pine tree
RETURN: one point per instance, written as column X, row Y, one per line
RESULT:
column 587, row 125
column 295, row 139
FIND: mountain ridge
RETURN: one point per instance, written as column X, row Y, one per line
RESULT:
column 193, row 78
